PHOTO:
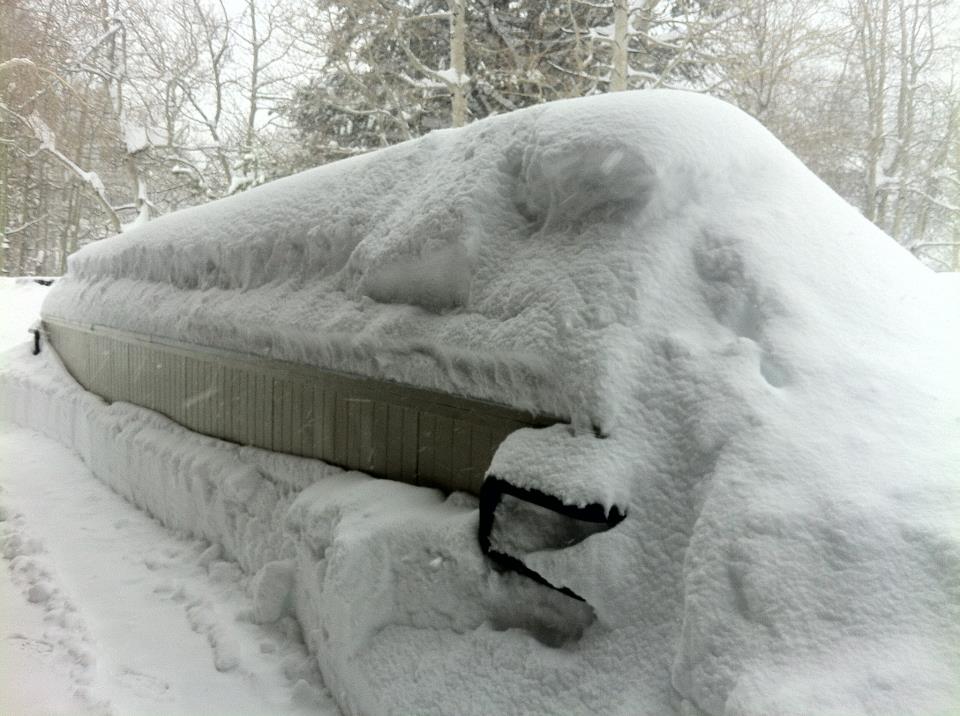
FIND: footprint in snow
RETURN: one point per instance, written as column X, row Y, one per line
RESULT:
column 34, row 646
column 143, row 684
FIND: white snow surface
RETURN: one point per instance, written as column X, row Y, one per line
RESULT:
column 776, row 379
column 104, row 611
column 120, row 616
column 20, row 299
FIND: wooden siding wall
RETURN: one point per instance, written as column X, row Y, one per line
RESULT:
column 386, row 429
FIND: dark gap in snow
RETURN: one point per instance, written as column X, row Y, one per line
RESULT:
column 517, row 521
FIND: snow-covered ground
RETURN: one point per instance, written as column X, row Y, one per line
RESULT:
column 106, row 611
column 775, row 381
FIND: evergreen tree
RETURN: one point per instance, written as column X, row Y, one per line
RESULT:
column 389, row 75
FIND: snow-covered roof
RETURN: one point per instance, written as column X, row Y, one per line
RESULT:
column 776, row 377
column 495, row 261
column 499, row 261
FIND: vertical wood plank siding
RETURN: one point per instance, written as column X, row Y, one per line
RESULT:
column 386, row 429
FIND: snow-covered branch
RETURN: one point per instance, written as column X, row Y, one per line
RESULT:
column 47, row 144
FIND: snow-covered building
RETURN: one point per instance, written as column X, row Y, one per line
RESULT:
column 713, row 344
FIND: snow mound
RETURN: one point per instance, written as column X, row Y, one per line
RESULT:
column 775, row 378
column 21, row 299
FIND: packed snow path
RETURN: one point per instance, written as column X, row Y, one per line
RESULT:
column 105, row 611
column 108, row 612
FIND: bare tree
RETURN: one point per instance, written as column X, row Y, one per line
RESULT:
column 860, row 89
column 266, row 62
column 48, row 111
column 900, row 63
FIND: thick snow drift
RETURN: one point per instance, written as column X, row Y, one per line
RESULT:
column 778, row 382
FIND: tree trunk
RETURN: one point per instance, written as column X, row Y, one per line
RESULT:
column 458, row 61
column 618, row 75
column 4, row 158
column 24, row 216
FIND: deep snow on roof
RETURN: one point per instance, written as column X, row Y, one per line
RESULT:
column 498, row 261
column 778, row 380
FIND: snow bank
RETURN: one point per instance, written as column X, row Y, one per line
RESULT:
column 21, row 299
column 98, row 580
column 776, row 381
column 356, row 560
